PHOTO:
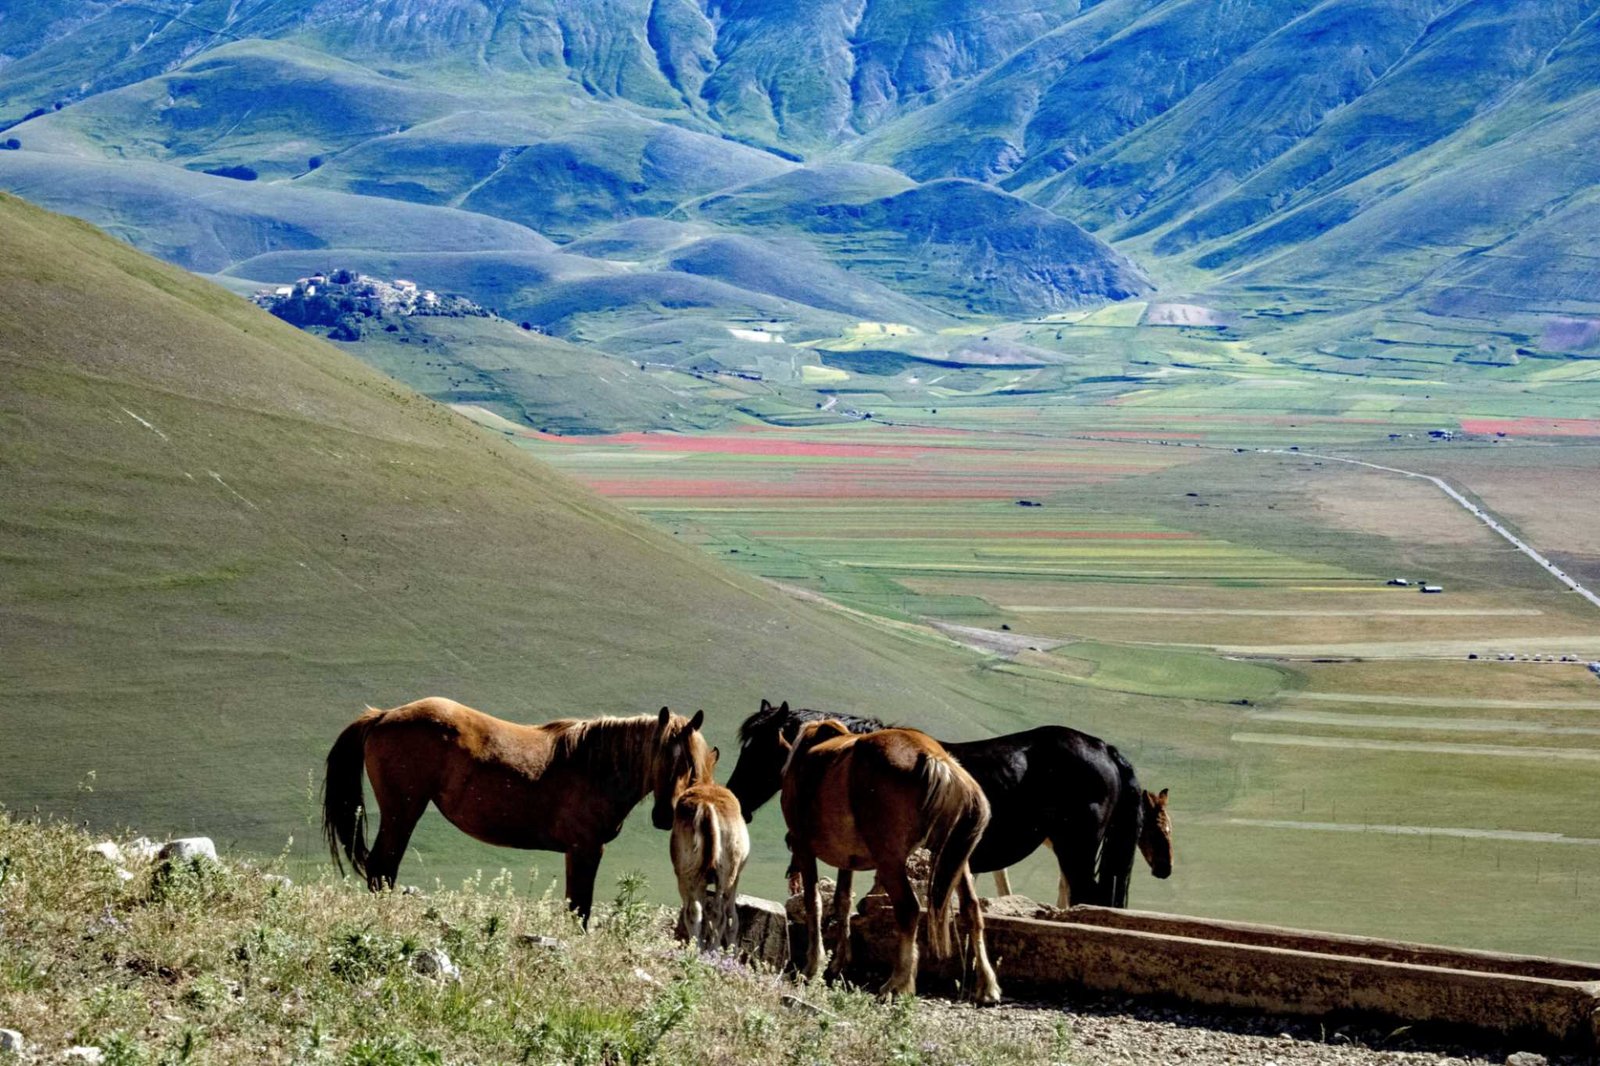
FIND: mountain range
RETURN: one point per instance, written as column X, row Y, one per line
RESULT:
column 1328, row 166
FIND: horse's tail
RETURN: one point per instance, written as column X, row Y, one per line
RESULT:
column 710, row 846
column 958, row 814
column 344, row 809
column 1121, row 841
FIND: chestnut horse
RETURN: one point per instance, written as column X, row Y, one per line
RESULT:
column 561, row 786
column 710, row 845
column 867, row 802
column 1051, row 785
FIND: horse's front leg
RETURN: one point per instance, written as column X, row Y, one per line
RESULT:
column 1002, row 881
column 582, row 866
column 806, row 866
column 843, row 896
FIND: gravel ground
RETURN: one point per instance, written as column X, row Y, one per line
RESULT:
column 1109, row 1032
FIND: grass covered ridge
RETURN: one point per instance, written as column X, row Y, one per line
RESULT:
column 219, row 963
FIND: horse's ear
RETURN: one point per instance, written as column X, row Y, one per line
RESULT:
column 765, row 706
column 697, row 721
column 666, row 716
column 1162, row 796
column 784, row 707
column 1149, row 797
column 711, row 760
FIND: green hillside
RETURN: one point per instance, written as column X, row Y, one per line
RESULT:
column 222, row 537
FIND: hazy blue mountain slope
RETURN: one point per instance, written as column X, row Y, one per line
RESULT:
column 1417, row 92
column 58, row 51
column 208, row 223
column 1359, row 150
column 267, row 106
column 960, row 245
column 562, row 171
column 812, row 71
column 793, row 270
column 1501, row 217
column 494, row 279
column 981, row 131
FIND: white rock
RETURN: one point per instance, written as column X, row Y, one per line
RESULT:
column 83, row 1053
column 277, row 879
column 108, row 850
column 142, row 848
column 186, row 849
column 435, row 963
column 11, row 1040
column 642, row 974
column 1524, row 1058
column 544, row 943
column 123, row 875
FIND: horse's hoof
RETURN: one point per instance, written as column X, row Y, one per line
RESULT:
column 986, row 990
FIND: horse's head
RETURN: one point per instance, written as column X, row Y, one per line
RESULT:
column 762, row 751
column 683, row 759
column 1155, row 837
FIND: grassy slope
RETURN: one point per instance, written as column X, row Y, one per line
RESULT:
column 224, row 965
column 222, row 537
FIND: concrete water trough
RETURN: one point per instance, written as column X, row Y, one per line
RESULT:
column 1261, row 969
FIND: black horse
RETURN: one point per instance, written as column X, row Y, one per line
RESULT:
column 1050, row 785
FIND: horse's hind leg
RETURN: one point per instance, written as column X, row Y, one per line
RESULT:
column 903, row 980
column 843, row 895
column 694, row 919
column 1002, row 882
column 582, row 866
column 986, row 987
column 398, row 816
column 806, row 866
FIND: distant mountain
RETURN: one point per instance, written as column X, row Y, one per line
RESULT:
column 1281, row 159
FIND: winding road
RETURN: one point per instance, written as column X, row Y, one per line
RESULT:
column 1478, row 512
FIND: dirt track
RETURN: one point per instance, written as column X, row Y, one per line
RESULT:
column 1101, row 1033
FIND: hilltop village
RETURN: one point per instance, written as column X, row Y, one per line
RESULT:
column 347, row 302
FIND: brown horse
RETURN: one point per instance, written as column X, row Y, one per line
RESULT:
column 867, row 802
column 562, row 786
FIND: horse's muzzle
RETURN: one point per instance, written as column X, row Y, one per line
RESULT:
column 660, row 818
column 1161, row 873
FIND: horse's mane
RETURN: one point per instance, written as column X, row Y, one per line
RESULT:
column 618, row 751
column 788, row 720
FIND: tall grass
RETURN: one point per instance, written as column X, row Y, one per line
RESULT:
column 209, row 963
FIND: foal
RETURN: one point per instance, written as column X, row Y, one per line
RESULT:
column 867, row 802
column 709, row 847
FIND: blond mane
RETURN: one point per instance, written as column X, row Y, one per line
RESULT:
column 618, row 752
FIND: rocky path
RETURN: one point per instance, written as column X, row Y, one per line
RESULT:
column 1114, row 1033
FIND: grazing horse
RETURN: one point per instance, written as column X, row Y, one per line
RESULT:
column 709, row 847
column 1048, row 785
column 865, row 802
column 562, row 786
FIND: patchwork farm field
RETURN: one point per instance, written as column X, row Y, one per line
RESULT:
column 1224, row 616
